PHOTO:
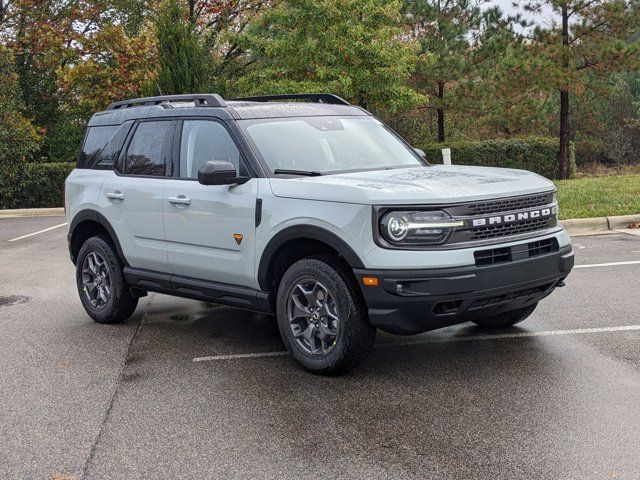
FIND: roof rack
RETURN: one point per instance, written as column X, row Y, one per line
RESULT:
column 309, row 97
column 199, row 100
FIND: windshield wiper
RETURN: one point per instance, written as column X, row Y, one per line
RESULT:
column 308, row 173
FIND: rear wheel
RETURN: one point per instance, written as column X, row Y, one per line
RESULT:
column 321, row 316
column 104, row 293
column 507, row 319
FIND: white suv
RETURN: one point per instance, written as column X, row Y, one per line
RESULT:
column 311, row 209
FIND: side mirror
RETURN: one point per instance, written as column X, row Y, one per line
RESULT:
column 420, row 152
column 219, row 173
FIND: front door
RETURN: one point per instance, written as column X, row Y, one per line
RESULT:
column 210, row 230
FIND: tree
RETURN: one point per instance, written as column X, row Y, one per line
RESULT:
column 456, row 39
column 219, row 24
column 19, row 139
column 354, row 48
column 115, row 66
column 184, row 62
column 44, row 36
column 587, row 41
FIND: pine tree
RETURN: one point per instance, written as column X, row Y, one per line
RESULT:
column 456, row 38
column 587, row 41
column 182, row 58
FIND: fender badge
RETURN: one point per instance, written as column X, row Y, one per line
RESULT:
column 238, row 237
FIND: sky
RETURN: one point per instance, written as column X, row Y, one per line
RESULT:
column 507, row 8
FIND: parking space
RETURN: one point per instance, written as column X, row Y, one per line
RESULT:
column 557, row 397
column 22, row 228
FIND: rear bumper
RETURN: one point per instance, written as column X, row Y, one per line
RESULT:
column 415, row 301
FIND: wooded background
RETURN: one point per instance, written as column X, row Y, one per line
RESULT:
column 438, row 71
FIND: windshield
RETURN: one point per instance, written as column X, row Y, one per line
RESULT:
column 323, row 145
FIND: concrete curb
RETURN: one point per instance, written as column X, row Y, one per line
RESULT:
column 586, row 226
column 623, row 221
column 601, row 225
column 31, row 212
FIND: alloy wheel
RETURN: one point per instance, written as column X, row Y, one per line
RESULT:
column 96, row 280
column 313, row 317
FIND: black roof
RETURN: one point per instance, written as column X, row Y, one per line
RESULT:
column 211, row 105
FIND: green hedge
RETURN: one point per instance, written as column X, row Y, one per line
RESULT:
column 538, row 154
column 39, row 185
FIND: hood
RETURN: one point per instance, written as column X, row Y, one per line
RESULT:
column 433, row 184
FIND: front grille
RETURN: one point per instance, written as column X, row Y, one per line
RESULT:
column 493, row 256
column 522, row 251
column 489, row 229
column 516, row 228
column 542, row 247
column 509, row 204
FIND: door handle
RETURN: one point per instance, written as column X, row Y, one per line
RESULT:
column 180, row 200
column 115, row 195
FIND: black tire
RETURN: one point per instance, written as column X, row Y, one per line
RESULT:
column 119, row 305
column 355, row 334
column 507, row 319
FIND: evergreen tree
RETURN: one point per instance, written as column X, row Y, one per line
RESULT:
column 588, row 40
column 457, row 38
column 183, row 60
column 353, row 48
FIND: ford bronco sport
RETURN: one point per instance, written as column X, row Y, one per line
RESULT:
column 311, row 209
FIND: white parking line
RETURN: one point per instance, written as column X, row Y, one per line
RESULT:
column 470, row 338
column 610, row 264
column 37, row 233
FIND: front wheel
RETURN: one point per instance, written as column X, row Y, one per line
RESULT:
column 507, row 319
column 322, row 317
column 104, row 293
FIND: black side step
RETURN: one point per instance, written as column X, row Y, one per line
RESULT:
column 179, row 286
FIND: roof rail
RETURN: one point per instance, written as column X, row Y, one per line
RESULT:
column 309, row 97
column 199, row 100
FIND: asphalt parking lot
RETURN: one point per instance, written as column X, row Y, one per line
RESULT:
column 177, row 392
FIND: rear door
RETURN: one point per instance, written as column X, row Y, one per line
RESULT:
column 210, row 230
column 132, row 196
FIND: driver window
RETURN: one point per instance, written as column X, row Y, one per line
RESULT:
column 203, row 141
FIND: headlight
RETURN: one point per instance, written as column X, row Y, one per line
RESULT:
column 415, row 228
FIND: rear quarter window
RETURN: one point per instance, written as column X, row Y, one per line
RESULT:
column 95, row 140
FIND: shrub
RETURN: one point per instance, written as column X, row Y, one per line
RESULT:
column 19, row 139
column 39, row 185
column 538, row 154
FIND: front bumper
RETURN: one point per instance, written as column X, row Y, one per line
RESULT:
column 415, row 301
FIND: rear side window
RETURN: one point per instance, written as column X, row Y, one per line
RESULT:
column 109, row 154
column 95, row 140
column 147, row 152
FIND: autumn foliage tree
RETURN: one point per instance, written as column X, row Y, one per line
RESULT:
column 116, row 66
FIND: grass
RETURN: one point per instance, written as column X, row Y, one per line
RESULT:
column 602, row 196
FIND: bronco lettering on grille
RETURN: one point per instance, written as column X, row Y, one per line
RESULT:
column 511, row 217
